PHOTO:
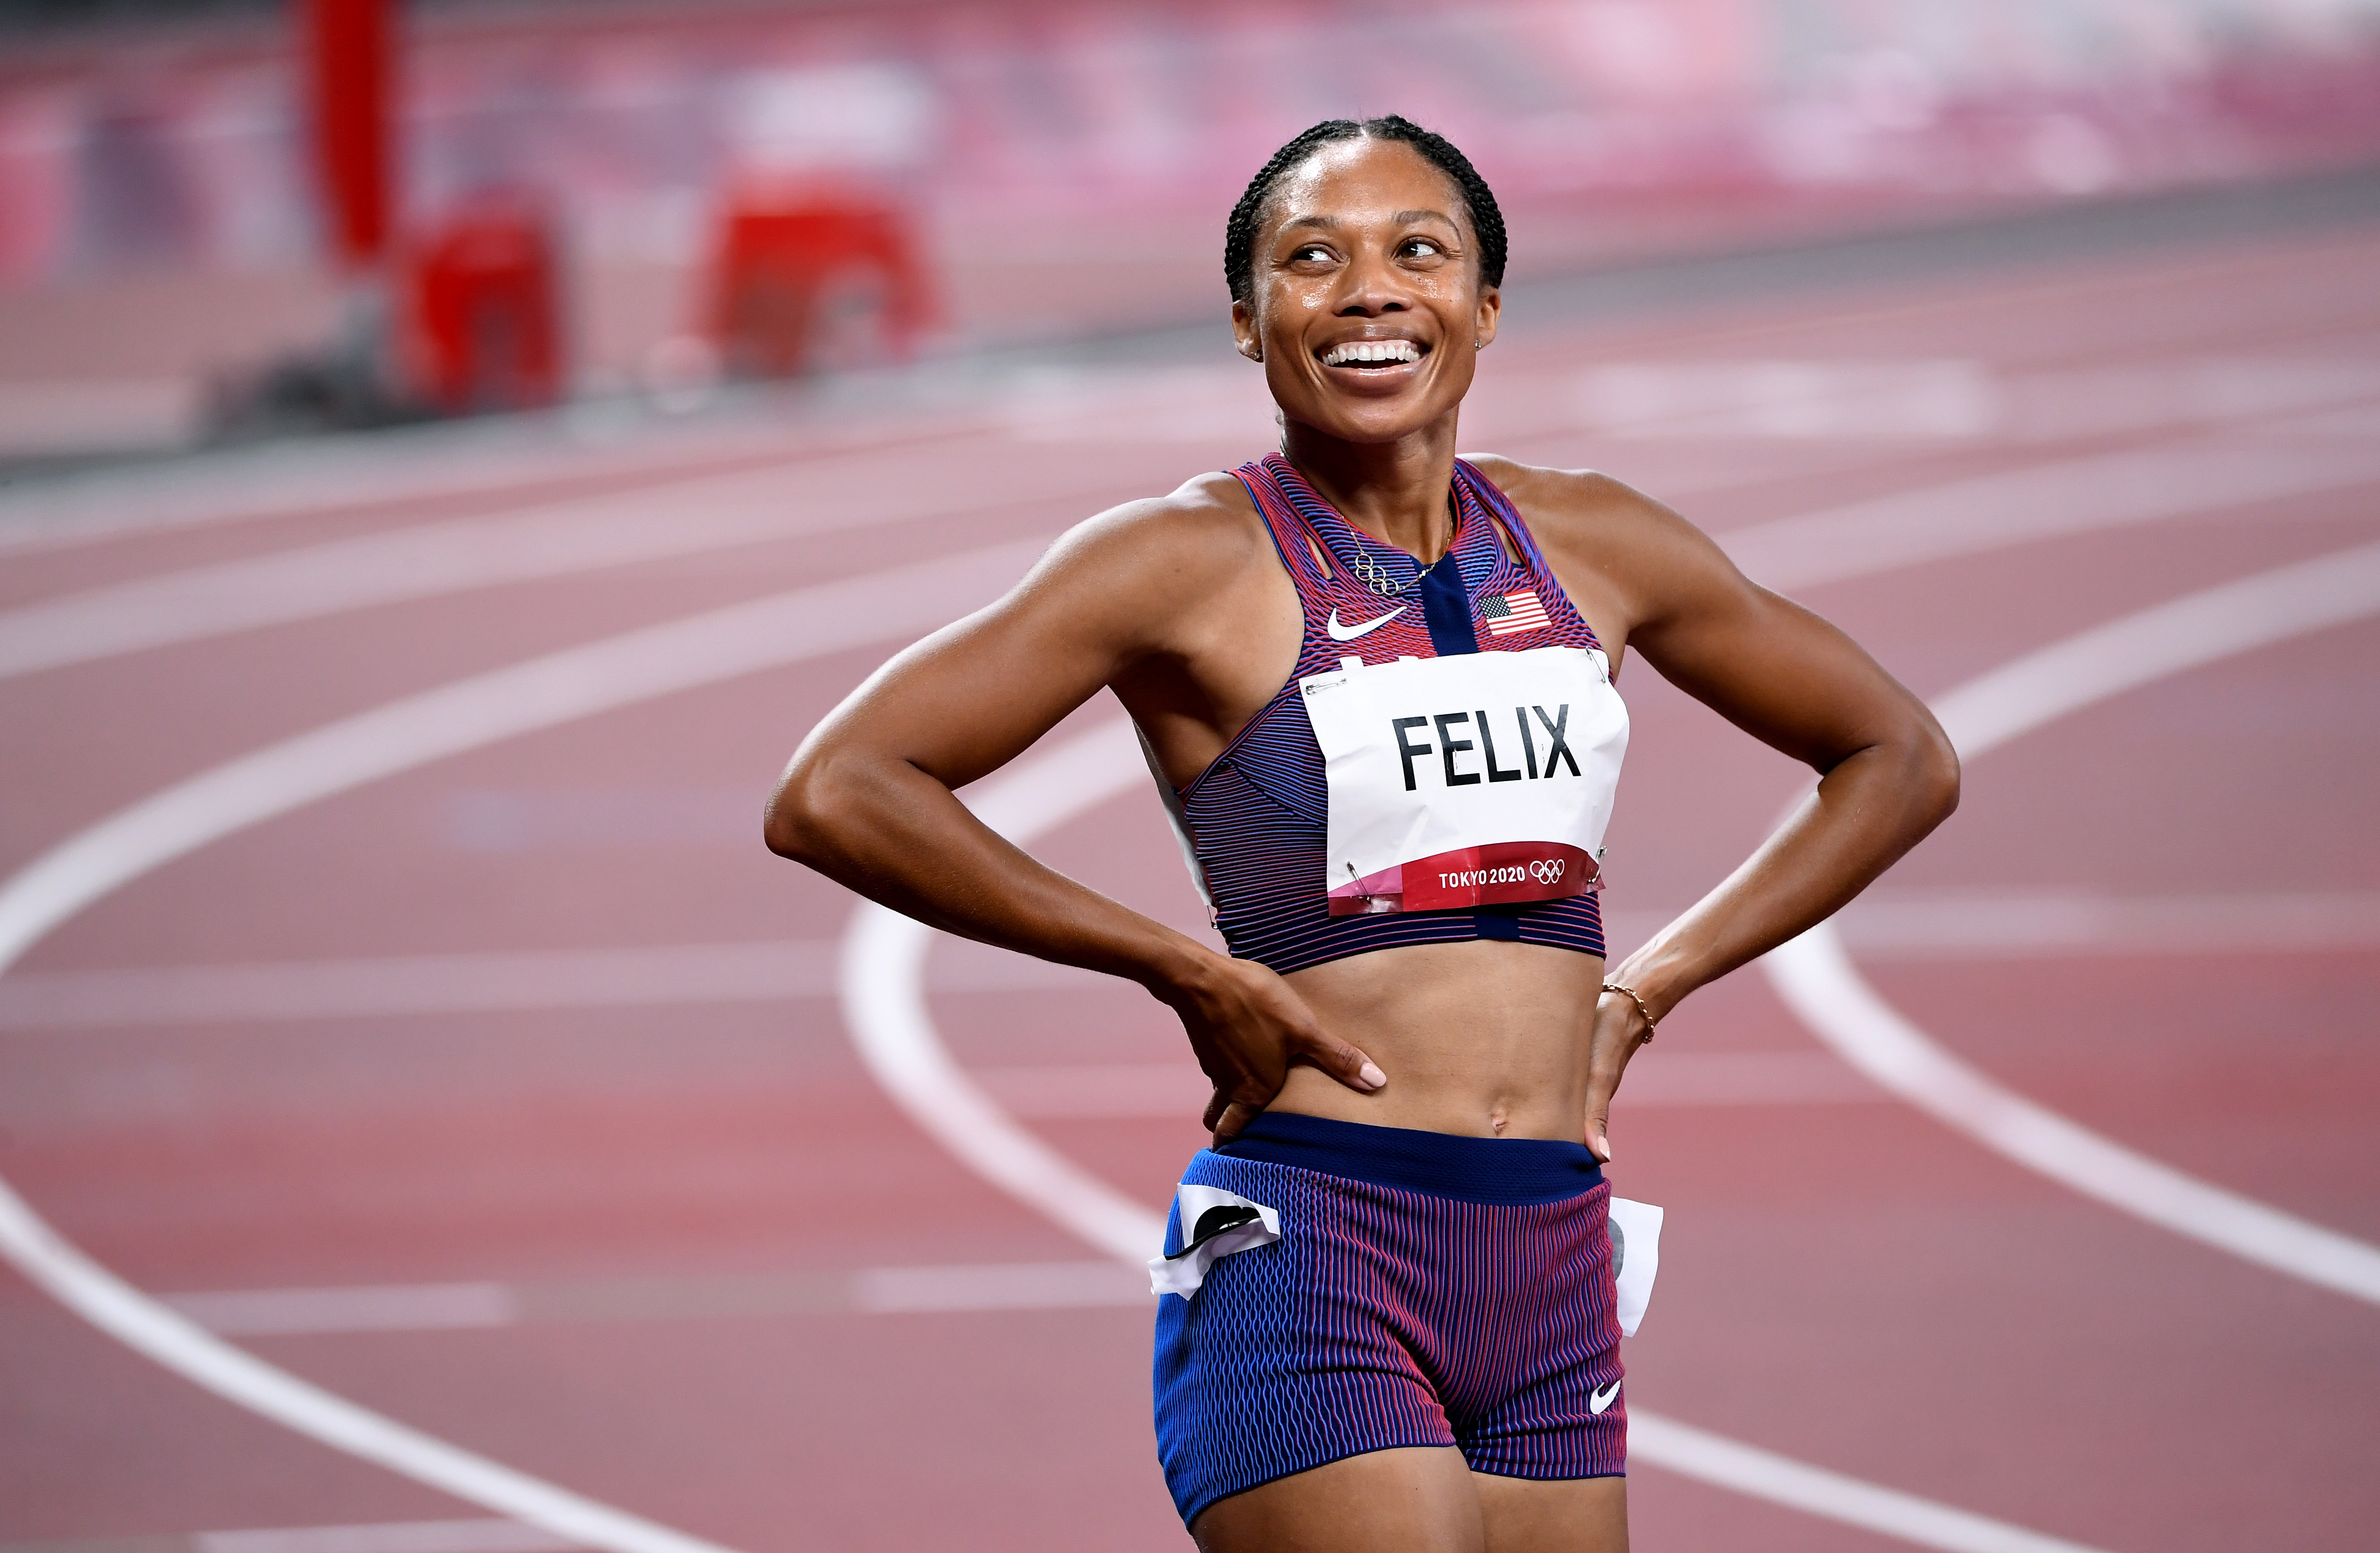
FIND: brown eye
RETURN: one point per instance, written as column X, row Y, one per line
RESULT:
column 1424, row 248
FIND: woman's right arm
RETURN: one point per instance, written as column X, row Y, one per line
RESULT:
column 868, row 801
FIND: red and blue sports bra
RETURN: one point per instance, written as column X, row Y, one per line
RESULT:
column 1292, row 882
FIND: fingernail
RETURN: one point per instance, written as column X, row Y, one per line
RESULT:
column 1372, row 1077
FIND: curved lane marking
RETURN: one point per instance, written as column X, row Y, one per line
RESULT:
column 274, row 479
column 1764, row 1474
column 2037, row 502
column 1899, row 925
column 718, row 511
column 553, row 540
column 546, row 692
column 1814, row 976
column 468, row 714
column 182, row 1345
column 884, row 1003
column 501, row 462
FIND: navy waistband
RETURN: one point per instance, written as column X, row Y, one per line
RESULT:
column 1508, row 1172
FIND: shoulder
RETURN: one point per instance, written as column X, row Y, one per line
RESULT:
column 1205, row 530
column 1558, row 500
column 1150, row 560
column 1209, row 514
column 1591, row 525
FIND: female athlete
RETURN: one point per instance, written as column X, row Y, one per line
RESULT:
column 1374, row 681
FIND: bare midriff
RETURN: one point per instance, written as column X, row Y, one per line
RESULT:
column 1486, row 1038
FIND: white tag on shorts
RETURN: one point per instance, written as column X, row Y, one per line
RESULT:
column 1215, row 1224
column 1635, row 1257
column 1478, row 778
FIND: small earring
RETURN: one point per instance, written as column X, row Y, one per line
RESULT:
column 1478, row 345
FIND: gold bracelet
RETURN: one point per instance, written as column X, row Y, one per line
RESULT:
column 1629, row 993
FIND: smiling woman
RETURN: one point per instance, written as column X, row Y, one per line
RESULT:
column 1375, row 682
column 1451, row 249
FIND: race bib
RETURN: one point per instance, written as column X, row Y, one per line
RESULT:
column 1471, row 779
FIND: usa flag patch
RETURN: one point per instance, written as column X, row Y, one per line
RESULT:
column 1509, row 612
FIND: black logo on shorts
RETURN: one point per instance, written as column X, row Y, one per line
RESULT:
column 1216, row 1221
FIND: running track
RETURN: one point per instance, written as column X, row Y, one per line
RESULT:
column 453, row 1049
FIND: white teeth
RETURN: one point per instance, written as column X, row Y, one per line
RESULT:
column 1371, row 350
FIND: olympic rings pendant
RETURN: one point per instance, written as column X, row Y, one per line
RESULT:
column 1374, row 575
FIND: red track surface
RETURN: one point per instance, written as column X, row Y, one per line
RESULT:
column 1850, row 1284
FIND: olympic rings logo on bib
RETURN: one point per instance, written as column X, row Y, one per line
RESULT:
column 1472, row 876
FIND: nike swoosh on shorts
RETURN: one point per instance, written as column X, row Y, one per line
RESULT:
column 1349, row 633
column 1596, row 1402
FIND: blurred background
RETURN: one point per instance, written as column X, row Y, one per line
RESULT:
column 451, row 452
column 635, row 198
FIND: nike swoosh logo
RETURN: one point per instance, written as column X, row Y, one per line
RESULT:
column 1349, row 633
column 1599, row 1401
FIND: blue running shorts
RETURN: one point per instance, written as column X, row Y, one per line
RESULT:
column 1425, row 1289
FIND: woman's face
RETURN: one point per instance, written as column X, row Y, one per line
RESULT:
column 1366, row 305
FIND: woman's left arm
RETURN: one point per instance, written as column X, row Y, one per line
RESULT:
column 1887, row 772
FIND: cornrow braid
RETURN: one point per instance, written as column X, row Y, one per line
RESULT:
column 1479, row 202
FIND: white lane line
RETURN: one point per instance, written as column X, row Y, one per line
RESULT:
column 2000, row 924
column 718, row 511
column 495, row 461
column 541, row 693
column 387, row 1307
column 2209, row 626
column 1001, row 1286
column 1943, row 398
column 470, row 713
column 885, row 1006
column 388, row 1537
column 435, row 1307
column 274, row 480
column 1747, row 1469
column 1907, row 924
column 182, row 1345
column 1816, row 976
column 2040, row 502
column 400, row 985
column 555, row 539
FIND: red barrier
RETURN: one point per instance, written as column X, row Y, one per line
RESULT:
column 806, row 281
column 482, row 328
column 349, row 53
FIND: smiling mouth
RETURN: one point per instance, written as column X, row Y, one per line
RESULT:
column 1372, row 355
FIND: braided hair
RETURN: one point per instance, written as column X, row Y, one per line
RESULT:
column 1486, row 220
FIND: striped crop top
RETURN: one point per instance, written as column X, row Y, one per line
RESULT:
column 1254, row 823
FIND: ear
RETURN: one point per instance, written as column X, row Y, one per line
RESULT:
column 1491, row 307
column 1245, row 333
